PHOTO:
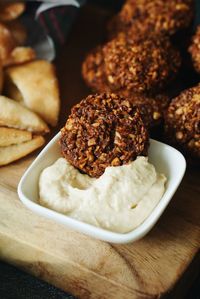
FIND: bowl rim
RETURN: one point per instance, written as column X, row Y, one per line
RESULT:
column 89, row 229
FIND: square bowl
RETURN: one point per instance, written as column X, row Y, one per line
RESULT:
column 166, row 160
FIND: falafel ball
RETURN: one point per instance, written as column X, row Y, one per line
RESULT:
column 103, row 130
column 194, row 50
column 182, row 121
column 159, row 16
column 152, row 108
column 140, row 65
column 93, row 70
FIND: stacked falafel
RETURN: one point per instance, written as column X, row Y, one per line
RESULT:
column 139, row 62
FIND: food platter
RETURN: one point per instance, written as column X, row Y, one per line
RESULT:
column 89, row 267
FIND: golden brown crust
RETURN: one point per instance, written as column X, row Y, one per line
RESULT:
column 103, row 130
column 1, row 77
column 18, row 31
column 7, row 43
column 140, row 65
column 126, row 65
column 152, row 108
column 11, row 11
column 9, row 154
column 14, row 115
column 10, row 136
column 10, row 53
column 182, row 120
column 159, row 16
column 37, row 83
column 20, row 55
column 194, row 49
column 93, row 70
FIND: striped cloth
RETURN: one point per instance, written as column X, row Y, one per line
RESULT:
column 55, row 16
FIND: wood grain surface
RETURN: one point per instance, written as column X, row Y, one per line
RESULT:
column 165, row 260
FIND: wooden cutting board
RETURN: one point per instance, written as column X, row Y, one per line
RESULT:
column 165, row 260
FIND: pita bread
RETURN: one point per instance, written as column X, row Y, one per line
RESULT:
column 11, row 11
column 38, row 85
column 7, row 43
column 14, row 115
column 18, row 32
column 12, row 153
column 13, row 91
column 10, row 136
column 20, row 55
column 1, row 77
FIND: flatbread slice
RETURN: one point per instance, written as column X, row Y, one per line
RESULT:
column 12, row 153
column 10, row 136
column 20, row 55
column 1, row 77
column 18, row 31
column 36, row 85
column 7, row 43
column 14, row 115
column 11, row 11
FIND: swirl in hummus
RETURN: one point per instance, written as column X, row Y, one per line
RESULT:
column 120, row 200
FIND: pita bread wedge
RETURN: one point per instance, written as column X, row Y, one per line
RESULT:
column 10, row 136
column 10, row 11
column 18, row 31
column 7, row 43
column 37, row 83
column 1, row 77
column 12, row 153
column 12, row 90
column 14, row 115
column 20, row 55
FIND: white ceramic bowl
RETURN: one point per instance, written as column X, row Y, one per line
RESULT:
column 165, row 158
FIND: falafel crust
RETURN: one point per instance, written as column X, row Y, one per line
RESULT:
column 140, row 65
column 159, row 16
column 182, row 121
column 93, row 70
column 126, row 66
column 152, row 108
column 194, row 50
column 103, row 130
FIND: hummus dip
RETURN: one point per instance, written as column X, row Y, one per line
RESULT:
column 119, row 200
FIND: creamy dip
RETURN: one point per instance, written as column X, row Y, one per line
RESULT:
column 119, row 200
